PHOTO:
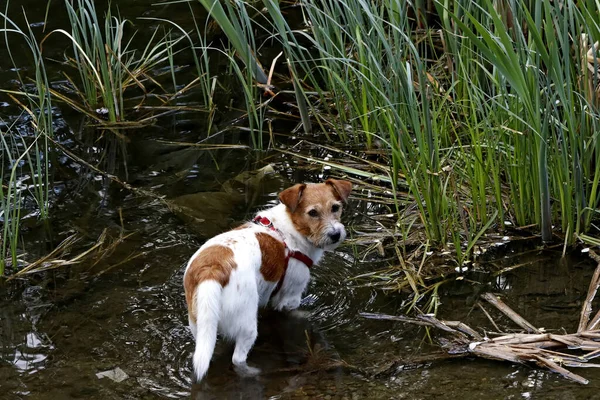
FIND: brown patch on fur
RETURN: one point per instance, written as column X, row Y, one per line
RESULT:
column 301, row 223
column 291, row 196
column 341, row 188
column 273, row 257
column 213, row 263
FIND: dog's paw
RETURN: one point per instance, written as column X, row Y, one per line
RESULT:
column 288, row 304
column 246, row 371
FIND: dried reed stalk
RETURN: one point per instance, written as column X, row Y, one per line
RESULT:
column 551, row 351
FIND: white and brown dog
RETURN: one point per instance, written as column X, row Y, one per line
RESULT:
column 268, row 259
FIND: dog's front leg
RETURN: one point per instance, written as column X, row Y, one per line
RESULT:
column 288, row 303
column 294, row 284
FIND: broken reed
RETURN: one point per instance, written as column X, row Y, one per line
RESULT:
column 553, row 351
column 492, row 118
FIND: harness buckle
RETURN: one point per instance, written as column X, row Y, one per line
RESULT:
column 264, row 221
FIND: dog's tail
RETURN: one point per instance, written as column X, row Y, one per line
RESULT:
column 208, row 307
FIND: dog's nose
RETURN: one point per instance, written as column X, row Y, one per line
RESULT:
column 335, row 236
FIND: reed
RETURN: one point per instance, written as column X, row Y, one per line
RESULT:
column 107, row 63
column 24, row 162
column 108, row 68
column 491, row 119
column 237, row 24
column 539, row 90
column 23, row 174
column 484, row 114
column 376, row 75
column 10, row 203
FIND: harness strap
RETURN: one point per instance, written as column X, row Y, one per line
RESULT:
column 303, row 258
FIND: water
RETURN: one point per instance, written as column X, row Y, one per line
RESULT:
column 125, row 308
column 61, row 328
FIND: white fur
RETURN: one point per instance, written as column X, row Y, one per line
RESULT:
column 235, row 306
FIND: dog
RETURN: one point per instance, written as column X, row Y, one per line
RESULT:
column 266, row 261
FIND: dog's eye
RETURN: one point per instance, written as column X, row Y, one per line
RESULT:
column 335, row 208
column 313, row 213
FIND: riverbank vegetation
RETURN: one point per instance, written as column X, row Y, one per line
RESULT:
column 457, row 118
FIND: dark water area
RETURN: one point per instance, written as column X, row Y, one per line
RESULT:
column 125, row 310
column 60, row 329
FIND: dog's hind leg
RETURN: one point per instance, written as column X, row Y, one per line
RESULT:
column 242, row 313
column 243, row 344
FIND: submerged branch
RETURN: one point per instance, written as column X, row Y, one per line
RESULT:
column 506, row 310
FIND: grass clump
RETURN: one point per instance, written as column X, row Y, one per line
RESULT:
column 24, row 159
column 106, row 62
column 107, row 67
column 476, row 114
column 485, row 113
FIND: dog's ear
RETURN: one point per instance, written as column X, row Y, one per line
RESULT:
column 291, row 196
column 340, row 187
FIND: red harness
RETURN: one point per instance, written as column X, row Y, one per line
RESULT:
column 266, row 222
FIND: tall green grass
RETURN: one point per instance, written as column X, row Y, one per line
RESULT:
column 24, row 154
column 106, row 61
column 242, row 30
column 107, row 65
column 10, row 201
column 536, row 82
column 489, row 116
column 376, row 74
column 239, row 28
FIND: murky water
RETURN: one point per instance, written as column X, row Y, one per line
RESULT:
column 126, row 309
column 61, row 328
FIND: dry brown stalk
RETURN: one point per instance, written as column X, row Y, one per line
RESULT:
column 548, row 350
column 506, row 310
column 586, row 310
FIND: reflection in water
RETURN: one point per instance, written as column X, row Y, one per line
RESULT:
column 27, row 357
column 22, row 345
column 502, row 283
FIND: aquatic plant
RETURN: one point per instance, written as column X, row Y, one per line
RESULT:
column 107, row 63
column 490, row 120
column 541, row 90
column 24, row 152
column 23, row 174
column 475, row 115
column 242, row 32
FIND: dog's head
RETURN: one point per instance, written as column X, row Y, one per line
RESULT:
column 315, row 210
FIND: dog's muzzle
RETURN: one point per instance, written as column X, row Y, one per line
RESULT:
column 333, row 236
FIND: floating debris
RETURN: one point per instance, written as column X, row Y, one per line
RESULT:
column 116, row 375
